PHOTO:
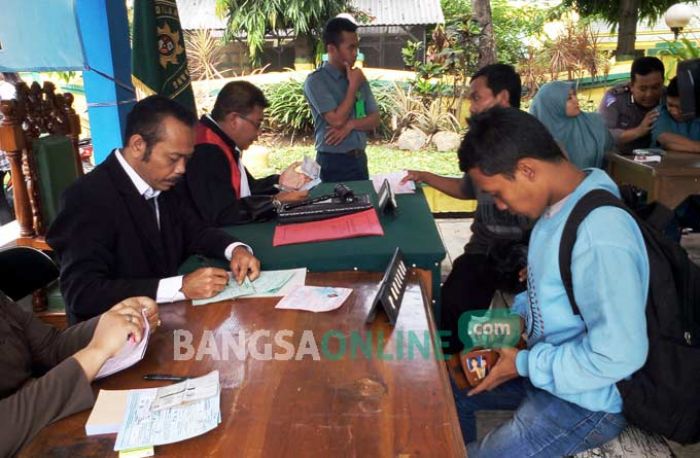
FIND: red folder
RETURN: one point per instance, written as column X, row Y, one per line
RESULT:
column 358, row 224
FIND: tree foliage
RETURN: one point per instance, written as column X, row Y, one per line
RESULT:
column 649, row 10
column 257, row 18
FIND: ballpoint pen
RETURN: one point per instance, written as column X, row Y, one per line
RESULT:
column 164, row 377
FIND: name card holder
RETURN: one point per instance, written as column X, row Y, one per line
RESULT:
column 386, row 199
column 391, row 289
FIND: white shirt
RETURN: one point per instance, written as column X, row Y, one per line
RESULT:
column 169, row 289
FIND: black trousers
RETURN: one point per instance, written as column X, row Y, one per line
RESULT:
column 469, row 287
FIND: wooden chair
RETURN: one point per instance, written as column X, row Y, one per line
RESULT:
column 35, row 112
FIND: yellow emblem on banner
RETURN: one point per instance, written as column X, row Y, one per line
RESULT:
column 169, row 45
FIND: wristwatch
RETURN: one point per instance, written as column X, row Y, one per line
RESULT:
column 276, row 203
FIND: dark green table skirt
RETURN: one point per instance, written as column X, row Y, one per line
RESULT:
column 412, row 229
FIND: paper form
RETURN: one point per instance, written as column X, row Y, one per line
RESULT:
column 269, row 283
column 315, row 298
column 394, row 182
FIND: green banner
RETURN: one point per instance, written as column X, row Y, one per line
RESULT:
column 159, row 61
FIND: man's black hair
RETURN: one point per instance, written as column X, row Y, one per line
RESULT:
column 644, row 65
column 238, row 97
column 332, row 33
column 501, row 77
column 499, row 137
column 672, row 89
column 146, row 119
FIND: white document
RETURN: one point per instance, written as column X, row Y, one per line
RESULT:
column 130, row 354
column 269, row 282
column 190, row 390
column 143, row 427
column 297, row 279
column 310, row 168
column 315, row 298
column 395, row 182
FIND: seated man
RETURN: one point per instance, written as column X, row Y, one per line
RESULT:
column 629, row 109
column 28, row 400
column 670, row 131
column 562, row 386
column 223, row 190
column 496, row 234
column 121, row 232
column 342, row 105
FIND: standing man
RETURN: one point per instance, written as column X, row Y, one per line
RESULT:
column 122, row 233
column 342, row 105
column 630, row 109
column 222, row 189
column 496, row 234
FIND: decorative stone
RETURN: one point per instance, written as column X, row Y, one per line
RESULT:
column 446, row 141
column 412, row 140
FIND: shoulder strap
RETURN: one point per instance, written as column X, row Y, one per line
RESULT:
column 588, row 203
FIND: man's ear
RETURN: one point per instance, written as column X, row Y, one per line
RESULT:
column 527, row 168
column 137, row 144
column 503, row 98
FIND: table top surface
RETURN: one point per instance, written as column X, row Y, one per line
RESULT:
column 412, row 229
column 672, row 163
column 393, row 402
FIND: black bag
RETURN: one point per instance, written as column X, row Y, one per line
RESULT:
column 664, row 395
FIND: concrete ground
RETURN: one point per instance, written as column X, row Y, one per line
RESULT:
column 455, row 233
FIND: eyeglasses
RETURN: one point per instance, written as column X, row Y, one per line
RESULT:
column 256, row 125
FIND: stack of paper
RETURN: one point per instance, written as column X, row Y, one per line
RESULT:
column 108, row 413
column 311, row 169
column 130, row 354
column 170, row 414
column 394, row 182
column 270, row 283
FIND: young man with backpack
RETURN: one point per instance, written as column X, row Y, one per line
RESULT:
column 563, row 386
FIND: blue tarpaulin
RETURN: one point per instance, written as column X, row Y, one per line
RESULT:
column 40, row 35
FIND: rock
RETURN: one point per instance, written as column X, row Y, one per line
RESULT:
column 447, row 141
column 412, row 139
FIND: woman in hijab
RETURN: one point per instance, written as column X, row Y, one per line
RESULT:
column 583, row 135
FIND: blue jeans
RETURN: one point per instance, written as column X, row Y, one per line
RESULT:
column 342, row 167
column 542, row 424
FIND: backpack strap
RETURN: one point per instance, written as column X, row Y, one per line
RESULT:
column 587, row 203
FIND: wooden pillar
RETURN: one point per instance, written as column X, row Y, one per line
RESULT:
column 12, row 142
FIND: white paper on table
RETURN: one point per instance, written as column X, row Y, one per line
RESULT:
column 314, row 298
column 143, row 427
column 130, row 354
column 190, row 390
column 297, row 279
column 269, row 282
column 394, row 179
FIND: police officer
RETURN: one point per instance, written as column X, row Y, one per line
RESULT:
column 630, row 109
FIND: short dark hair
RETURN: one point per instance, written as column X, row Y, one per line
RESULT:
column 334, row 29
column 501, row 77
column 499, row 137
column 644, row 65
column 238, row 97
column 672, row 89
column 146, row 118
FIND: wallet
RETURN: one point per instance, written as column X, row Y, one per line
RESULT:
column 329, row 208
column 477, row 364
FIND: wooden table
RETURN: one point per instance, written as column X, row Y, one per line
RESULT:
column 673, row 179
column 348, row 407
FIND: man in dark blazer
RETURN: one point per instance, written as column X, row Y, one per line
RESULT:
column 122, row 233
column 222, row 189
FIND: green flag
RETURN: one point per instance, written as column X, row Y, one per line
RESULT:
column 158, row 56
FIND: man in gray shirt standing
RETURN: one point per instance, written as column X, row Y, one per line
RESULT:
column 342, row 105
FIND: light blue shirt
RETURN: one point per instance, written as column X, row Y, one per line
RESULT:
column 580, row 358
column 666, row 124
column 325, row 88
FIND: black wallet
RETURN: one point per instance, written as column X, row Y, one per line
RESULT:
column 328, row 208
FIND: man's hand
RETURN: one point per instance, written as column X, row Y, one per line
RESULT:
column 355, row 77
column 503, row 371
column 292, row 196
column 291, row 179
column 648, row 122
column 335, row 135
column 414, row 175
column 204, row 283
column 244, row 263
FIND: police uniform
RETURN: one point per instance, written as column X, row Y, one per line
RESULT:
column 621, row 113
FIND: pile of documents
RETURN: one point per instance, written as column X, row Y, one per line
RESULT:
column 158, row 416
column 270, row 283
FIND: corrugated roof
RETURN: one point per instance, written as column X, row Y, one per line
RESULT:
column 201, row 14
column 402, row 12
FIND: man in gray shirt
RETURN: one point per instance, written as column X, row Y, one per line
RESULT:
column 342, row 105
column 630, row 109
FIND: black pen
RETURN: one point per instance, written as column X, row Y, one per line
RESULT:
column 164, row 377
